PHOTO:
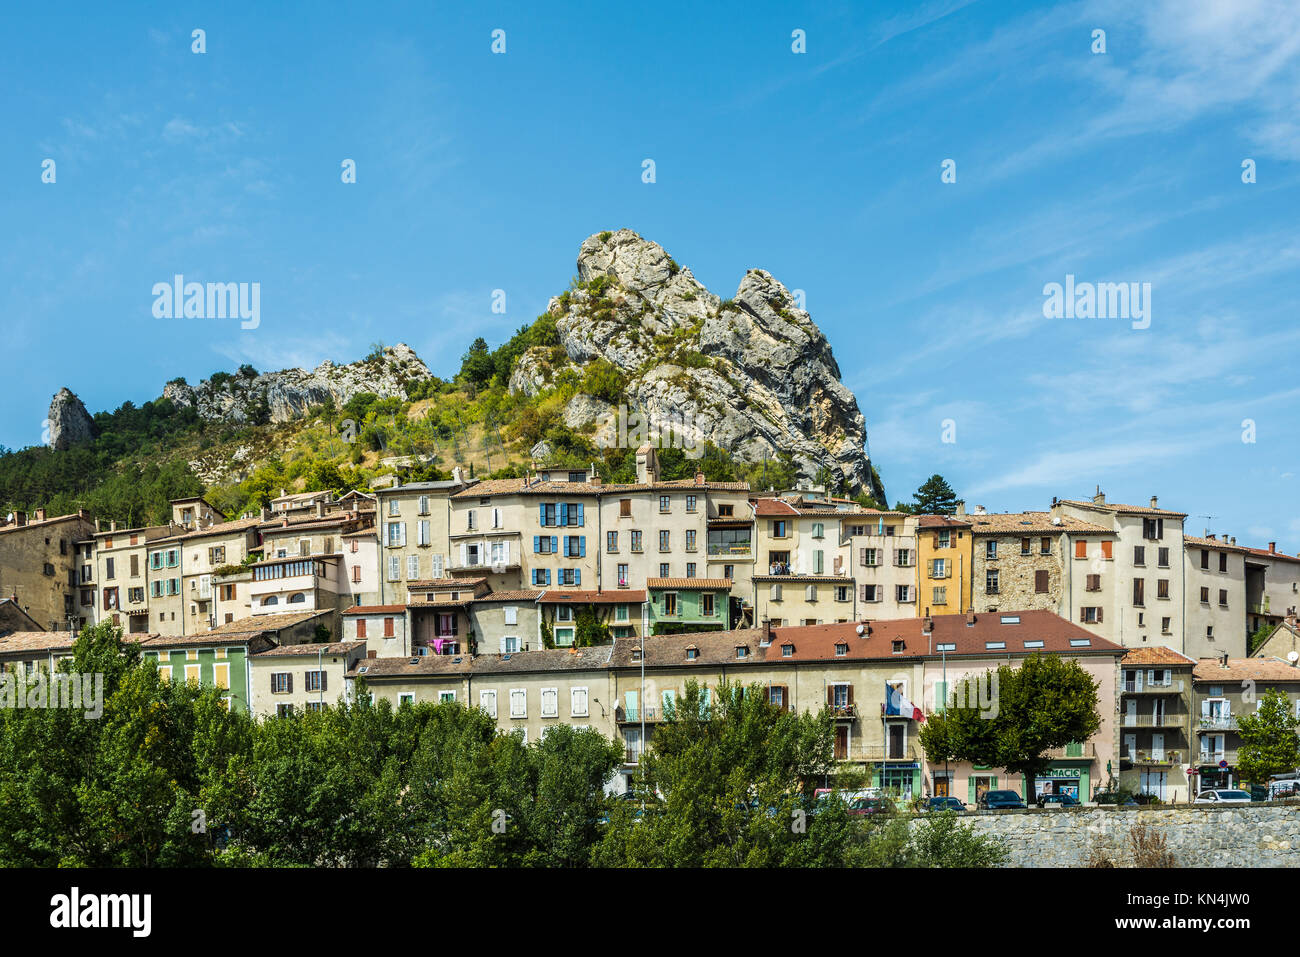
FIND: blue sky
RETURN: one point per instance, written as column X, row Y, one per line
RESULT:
column 478, row 171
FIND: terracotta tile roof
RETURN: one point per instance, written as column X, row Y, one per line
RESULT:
column 47, row 522
column 555, row 660
column 1155, row 655
column 524, row 595
column 1218, row 544
column 808, row 579
column 615, row 597
column 712, row 647
column 774, row 507
column 375, row 610
column 260, row 623
column 690, row 584
column 429, row 584
column 224, row 528
column 297, row 651
column 27, row 642
column 425, row 665
column 942, row 521
column 1265, row 553
column 518, row 486
column 1123, row 509
column 1243, row 669
column 1030, row 523
column 207, row 639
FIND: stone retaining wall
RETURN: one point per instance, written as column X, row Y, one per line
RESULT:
column 1251, row 835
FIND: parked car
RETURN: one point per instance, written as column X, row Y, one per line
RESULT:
column 944, row 804
column 999, row 800
column 1223, row 796
column 871, row 805
column 1057, row 800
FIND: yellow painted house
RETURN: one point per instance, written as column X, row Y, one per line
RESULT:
column 943, row 568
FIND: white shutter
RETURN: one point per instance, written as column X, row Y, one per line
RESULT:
column 511, row 615
column 464, row 555
column 487, row 700
column 578, row 702
column 437, row 566
column 394, row 567
column 412, row 567
column 403, row 528
column 550, row 702
column 424, row 531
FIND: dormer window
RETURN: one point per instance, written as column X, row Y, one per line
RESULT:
column 947, row 646
column 787, row 650
column 995, row 645
column 841, row 649
column 692, row 653
column 898, row 646
column 636, row 654
column 742, row 651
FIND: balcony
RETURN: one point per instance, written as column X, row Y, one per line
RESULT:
column 1218, row 723
column 730, row 549
column 1073, row 752
column 1214, row 757
column 1155, row 759
column 624, row 715
column 842, row 712
column 1151, row 721
column 1171, row 687
column 778, row 568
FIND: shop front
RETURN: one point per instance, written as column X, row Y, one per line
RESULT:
column 1072, row 779
column 900, row 780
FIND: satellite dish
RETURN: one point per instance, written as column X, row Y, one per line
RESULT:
column 1293, row 656
column 862, row 629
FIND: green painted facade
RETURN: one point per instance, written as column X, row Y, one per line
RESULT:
column 689, row 607
column 208, row 662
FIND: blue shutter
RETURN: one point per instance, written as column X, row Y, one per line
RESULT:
column 564, row 514
column 537, row 544
column 541, row 514
column 580, row 522
column 577, row 576
column 555, row 544
column 582, row 546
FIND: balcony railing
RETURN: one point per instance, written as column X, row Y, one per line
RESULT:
column 842, row 711
column 1155, row 758
column 1151, row 721
column 1219, row 723
column 1171, row 687
column 730, row 548
column 1214, row 757
column 778, row 568
column 624, row 715
column 881, row 752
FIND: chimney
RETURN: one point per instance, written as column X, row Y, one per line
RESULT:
column 112, row 525
column 866, row 626
column 970, row 616
column 767, row 631
column 979, row 510
column 97, row 526
column 1233, row 540
column 38, row 515
column 927, row 625
column 1153, row 501
column 1100, row 497
column 1210, row 535
column 1272, row 548
column 281, row 493
column 320, row 508
column 266, row 513
column 699, row 477
column 457, row 475
column 961, row 507
column 1223, row 659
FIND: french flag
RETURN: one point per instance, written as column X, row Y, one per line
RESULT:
column 897, row 706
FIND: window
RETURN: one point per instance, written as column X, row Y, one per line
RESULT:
column 546, row 544
column 1024, row 546
column 939, row 595
column 943, row 539
column 1045, row 546
column 690, row 503
column 1153, row 528
column 315, row 680
column 841, row 592
column 690, row 569
column 578, row 702
column 550, row 702
column 670, row 604
column 393, row 507
column 636, row 540
column 991, row 581
column 664, row 502
column 778, row 528
column 868, row 557
column 1107, row 550
column 412, row 567
column 1040, row 581
column 664, row 570
column 361, row 628
column 903, row 557
column 818, row 529
column 810, row 593
column 991, row 548
column 388, row 627
column 281, row 682
column 611, row 541
column 873, row 593
column 939, row 568
column 1093, row 583
column 706, row 604
column 487, row 701
column 1223, row 598
column 622, row 576
column 625, row 508
column 903, row 593
column 1139, row 592
column 1164, row 625
column 518, row 703
column 1162, row 587
column 663, row 540
column 509, row 644
column 575, row 546
column 1162, row 557
column 1205, row 596
column 1139, row 555
column 690, row 539
column 1090, row 615
column 1223, row 561
column 841, row 649
column 1081, row 549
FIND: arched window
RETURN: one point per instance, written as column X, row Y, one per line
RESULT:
column 270, row 600
column 296, row 599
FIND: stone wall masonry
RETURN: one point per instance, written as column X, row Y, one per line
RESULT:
column 1248, row 835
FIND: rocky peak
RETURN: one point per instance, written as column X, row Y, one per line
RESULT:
column 755, row 375
column 69, row 422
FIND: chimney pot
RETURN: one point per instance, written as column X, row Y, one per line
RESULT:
column 961, row 507
column 1153, row 501
column 699, row 478
column 1234, row 540
column 1272, row 548
column 112, row 526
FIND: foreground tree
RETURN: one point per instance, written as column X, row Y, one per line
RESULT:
column 934, row 497
column 1021, row 714
column 1269, row 744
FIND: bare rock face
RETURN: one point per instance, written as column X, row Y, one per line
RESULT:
column 69, row 422
column 291, row 393
column 753, row 375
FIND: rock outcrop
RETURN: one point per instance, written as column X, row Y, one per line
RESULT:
column 290, row 393
column 69, row 422
column 753, row 375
